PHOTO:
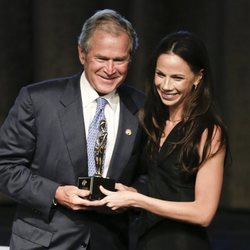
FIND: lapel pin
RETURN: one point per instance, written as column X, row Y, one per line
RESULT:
column 128, row 131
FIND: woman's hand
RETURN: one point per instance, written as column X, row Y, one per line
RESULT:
column 121, row 187
column 118, row 200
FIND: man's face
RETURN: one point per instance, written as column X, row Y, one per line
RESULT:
column 106, row 63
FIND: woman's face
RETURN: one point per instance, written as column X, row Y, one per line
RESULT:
column 174, row 80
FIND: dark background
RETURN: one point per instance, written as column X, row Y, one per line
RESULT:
column 38, row 40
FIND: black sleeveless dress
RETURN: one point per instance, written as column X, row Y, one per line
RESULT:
column 167, row 182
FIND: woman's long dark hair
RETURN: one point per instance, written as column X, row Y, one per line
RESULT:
column 199, row 112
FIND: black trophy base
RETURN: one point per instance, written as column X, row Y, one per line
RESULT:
column 93, row 183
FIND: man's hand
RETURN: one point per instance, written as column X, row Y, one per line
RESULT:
column 73, row 197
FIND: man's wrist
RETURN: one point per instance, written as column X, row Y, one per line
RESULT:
column 54, row 202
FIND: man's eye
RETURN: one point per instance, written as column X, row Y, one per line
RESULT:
column 115, row 61
column 120, row 61
column 99, row 59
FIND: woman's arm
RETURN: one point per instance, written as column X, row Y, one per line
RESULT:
column 207, row 192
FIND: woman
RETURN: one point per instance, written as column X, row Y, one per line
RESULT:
column 185, row 151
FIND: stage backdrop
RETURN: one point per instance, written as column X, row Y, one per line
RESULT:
column 38, row 40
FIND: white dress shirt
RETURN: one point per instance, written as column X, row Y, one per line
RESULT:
column 111, row 111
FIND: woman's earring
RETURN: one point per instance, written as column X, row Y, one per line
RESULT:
column 195, row 86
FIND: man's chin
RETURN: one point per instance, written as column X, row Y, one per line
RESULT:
column 104, row 89
column 101, row 93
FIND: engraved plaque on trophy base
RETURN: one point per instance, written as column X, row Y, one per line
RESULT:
column 93, row 183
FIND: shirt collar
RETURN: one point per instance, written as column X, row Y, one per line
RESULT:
column 89, row 94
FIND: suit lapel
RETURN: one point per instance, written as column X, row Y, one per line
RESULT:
column 71, row 117
column 127, row 130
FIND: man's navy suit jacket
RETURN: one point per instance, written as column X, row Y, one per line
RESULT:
column 42, row 146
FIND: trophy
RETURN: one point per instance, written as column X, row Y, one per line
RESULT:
column 92, row 183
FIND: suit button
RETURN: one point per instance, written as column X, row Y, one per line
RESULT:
column 83, row 245
column 36, row 211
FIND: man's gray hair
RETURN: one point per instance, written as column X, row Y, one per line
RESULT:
column 111, row 22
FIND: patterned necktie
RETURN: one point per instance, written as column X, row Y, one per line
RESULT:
column 94, row 129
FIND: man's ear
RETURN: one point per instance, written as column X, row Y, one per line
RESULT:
column 81, row 54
